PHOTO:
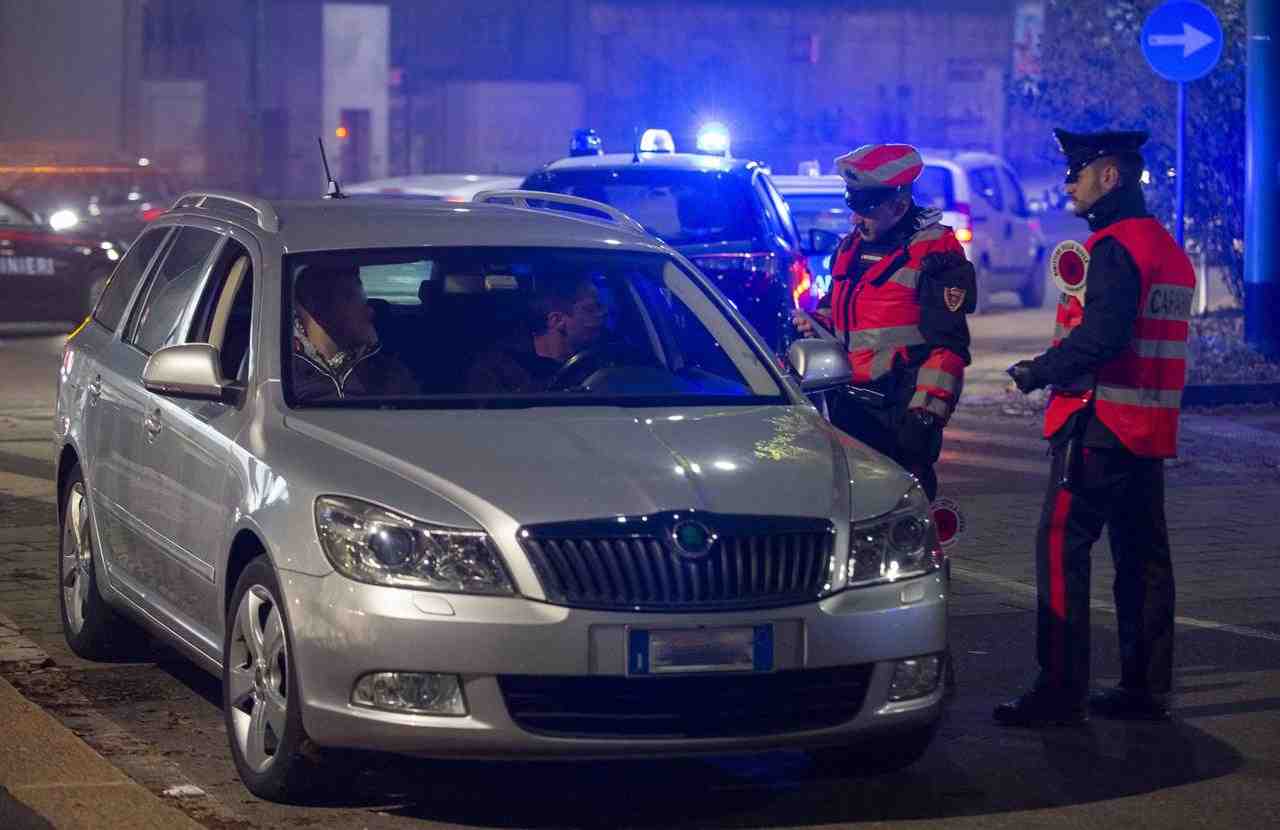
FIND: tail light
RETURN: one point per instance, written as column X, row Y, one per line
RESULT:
column 964, row 229
column 802, row 285
column 151, row 213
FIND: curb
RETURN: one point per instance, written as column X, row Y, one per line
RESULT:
column 1230, row 394
column 50, row 779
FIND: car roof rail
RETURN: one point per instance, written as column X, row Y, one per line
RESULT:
column 235, row 203
column 521, row 198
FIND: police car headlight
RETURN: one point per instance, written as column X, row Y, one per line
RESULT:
column 898, row 545
column 371, row 544
column 61, row 220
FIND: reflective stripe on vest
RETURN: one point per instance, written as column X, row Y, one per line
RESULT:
column 878, row 317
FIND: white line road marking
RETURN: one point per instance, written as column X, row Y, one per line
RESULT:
column 968, row 437
column 1039, row 467
column 1016, row 587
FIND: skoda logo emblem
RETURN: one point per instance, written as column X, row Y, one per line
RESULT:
column 692, row 539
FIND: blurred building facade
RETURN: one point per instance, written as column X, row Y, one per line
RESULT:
column 234, row 93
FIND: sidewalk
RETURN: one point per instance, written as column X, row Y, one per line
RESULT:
column 49, row 778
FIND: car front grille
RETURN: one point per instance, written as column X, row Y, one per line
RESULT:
column 697, row 706
column 753, row 562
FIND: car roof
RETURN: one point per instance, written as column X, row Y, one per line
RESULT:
column 371, row 222
column 654, row 161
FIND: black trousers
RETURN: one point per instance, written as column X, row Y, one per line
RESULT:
column 877, row 427
column 1115, row 488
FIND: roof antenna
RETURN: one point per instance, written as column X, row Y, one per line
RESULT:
column 332, row 191
column 635, row 145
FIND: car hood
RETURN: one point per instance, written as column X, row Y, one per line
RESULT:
column 542, row 465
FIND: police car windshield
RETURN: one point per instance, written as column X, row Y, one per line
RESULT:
column 512, row 327
column 680, row 207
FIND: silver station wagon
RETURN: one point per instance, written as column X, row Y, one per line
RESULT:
column 483, row 481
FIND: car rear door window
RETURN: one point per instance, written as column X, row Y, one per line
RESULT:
column 158, row 315
column 115, row 297
column 934, row 188
column 983, row 182
column 1013, row 190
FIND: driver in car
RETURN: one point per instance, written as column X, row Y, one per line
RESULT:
column 565, row 317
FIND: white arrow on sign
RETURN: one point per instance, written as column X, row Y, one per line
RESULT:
column 1191, row 40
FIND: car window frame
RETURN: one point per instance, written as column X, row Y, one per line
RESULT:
column 126, row 314
column 789, row 231
column 129, row 337
column 975, row 185
column 1018, row 201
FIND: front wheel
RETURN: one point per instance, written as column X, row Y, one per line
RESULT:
column 260, row 699
column 1032, row 293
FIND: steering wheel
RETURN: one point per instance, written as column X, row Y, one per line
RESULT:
column 583, row 363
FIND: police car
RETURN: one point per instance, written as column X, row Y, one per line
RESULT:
column 48, row 278
column 980, row 198
column 723, row 213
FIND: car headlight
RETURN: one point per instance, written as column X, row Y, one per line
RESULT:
column 61, row 220
column 369, row 543
column 900, row 544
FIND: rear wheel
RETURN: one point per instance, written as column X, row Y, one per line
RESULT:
column 982, row 302
column 1032, row 292
column 876, row 756
column 260, row 700
column 92, row 629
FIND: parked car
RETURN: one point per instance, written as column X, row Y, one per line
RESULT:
column 980, row 198
column 646, row 556
column 50, row 278
column 722, row 213
column 448, row 187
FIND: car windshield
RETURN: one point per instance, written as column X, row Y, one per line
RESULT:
column 680, row 207
column 512, row 327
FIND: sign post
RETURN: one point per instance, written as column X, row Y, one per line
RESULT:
column 1182, row 41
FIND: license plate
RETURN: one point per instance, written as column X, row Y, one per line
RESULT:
column 690, row 650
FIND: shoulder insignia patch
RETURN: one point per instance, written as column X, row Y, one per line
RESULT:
column 953, row 297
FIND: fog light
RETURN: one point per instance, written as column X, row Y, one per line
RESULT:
column 416, row 693
column 916, row 677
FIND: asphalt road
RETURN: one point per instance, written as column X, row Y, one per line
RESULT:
column 1217, row 765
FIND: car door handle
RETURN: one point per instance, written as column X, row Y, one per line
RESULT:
column 152, row 424
column 95, row 390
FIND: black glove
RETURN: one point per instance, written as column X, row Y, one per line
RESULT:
column 920, row 438
column 1024, row 376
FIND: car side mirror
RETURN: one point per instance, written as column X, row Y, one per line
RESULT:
column 821, row 364
column 188, row 370
column 820, row 241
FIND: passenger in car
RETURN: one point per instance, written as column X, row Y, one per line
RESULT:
column 336, row 352
column 565, row 317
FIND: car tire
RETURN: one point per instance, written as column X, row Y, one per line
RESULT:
column 91, row 627
column 261, row 703
column 1032, row 292
column 880, row 755
column 982, row 302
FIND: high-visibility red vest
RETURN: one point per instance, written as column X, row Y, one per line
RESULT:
column 878, row 317
column 1138, row 393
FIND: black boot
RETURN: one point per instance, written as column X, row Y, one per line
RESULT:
column 1041, row 708
column 1120, row 703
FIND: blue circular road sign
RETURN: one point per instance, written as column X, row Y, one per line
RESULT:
column 1182, row 40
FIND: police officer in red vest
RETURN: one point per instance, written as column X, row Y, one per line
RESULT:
column 1116, row 372
column 900, row 290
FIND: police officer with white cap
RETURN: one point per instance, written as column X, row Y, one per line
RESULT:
column 900, row 290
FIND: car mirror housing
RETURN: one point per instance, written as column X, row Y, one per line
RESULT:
column 821, row 364
column 819, row 241
column 191, row 370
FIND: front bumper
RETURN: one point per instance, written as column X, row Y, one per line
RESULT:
column 343, row 629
